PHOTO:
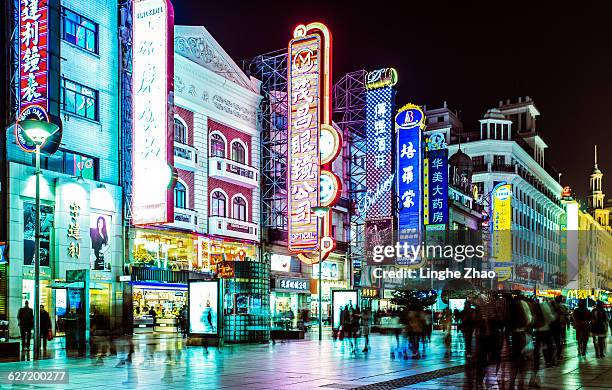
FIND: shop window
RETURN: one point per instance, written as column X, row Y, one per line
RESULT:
column 180, row 196
column 79, row 31
column 218, row 204
column 238, row 152
column 217, row 146
column 180, row 131
column 239, row 209
column 78, row 99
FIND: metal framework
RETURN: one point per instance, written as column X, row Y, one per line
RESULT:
column 271, row 69
column 125, row 74
column 349, row 106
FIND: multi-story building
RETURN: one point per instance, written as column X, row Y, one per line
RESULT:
column 507, row 148
column 215, row 233
column 81, row 197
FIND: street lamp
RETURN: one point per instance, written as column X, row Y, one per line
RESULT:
column 320, row 212
column 38, row 132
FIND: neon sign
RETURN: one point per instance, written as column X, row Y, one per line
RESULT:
column 153, row 78
column 33, row 66
column 435, row 186
column 313, row 142
column 386, row 77
column 409, row 122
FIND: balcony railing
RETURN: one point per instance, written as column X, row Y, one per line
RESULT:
column 233, row 172
column 235, row 228
column 184, row 156
column 503, row 168
column 185, row 219
column 480, row 168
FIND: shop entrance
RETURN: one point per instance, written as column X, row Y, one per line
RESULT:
column 157, row 306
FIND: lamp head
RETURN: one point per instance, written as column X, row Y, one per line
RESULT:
column 38, row 131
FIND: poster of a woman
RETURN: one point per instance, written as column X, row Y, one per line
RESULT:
column 100, row 244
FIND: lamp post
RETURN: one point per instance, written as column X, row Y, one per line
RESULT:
column 320, row 212
column 38, row 132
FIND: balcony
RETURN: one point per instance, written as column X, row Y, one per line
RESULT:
column 235, row 228
column 503, row 168
column 185, row 219
column 234, row 172
column 184, row 156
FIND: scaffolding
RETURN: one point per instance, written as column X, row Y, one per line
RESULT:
column 271, row 69
column 349, row 107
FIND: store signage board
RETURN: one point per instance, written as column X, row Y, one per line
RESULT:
column 153, row 89
column 409, row 122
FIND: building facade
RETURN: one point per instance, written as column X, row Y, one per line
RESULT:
column 81, row 196
column 507, row 148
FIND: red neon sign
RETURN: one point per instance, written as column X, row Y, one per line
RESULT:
column 33, row 54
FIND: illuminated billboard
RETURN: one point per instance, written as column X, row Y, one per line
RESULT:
column 378, row 200
column 204, row 307
column 313, row 142
column 435, row 182
column 501, row 222
column 152, row 77
column 409, row 122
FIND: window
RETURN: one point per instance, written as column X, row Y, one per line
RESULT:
column 79, row 31
column 218, row 204
column 70, row 163
column 217, row 146
column 478, row 161
column 180, row 131
column 78, row 99
column 440, row 119
column 499, row 160
column 238, row 152
column 180, row 196
column 239, row 209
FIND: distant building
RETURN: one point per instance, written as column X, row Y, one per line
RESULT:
column 507, row 148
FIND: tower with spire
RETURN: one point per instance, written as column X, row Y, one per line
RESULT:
column 596, row 196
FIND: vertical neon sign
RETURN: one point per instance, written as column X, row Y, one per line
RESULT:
column 435, row 186
column 310, row 181
column 409, row 122
column 153, row 80
column 33, row 66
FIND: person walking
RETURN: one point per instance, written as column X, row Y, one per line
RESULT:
column 366, row 317
column 599, row 329
column 25, row 316
column 582, row 322
column 45, row 327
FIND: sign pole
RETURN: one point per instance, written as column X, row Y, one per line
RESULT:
column 37, row 260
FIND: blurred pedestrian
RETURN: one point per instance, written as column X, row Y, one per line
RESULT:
column 467, row 326
column 25, row 316
column 366, row 317
column 582, row 322
column 599, row 329
column 46, row 333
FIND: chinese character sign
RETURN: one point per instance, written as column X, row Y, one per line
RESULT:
column 33, row 54
column 409, row 122
column 152, row 100
column 303, row 157
column 379, row 116
column 74, row 231
column 436, row 187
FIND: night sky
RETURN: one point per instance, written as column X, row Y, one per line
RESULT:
column 469, row 54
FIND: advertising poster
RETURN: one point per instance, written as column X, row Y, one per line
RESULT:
column 280, row 263
column 203, row 307
column 29, row 228
column 328, row 272
column 100, row 255
column 342, row 300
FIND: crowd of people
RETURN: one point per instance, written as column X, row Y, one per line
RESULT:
column 353, row 324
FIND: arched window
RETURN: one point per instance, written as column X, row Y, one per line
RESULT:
column 180, row 131
column 180, row 196
column 218, row 203
column 238, row 152
column 239, row 209
column 217, row 146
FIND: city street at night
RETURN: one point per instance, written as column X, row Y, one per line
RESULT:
column 204, row 194
column 309, row 364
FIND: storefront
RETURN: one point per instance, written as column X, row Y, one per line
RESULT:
column 332, row 278
column 289, row 300
column 165, row 299
column 165, row 249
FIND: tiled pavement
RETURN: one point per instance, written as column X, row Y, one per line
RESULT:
column 166, row 364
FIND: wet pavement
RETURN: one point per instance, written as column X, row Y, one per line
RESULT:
column 165, row 363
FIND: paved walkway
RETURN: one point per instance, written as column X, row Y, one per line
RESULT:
column 166, row 364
